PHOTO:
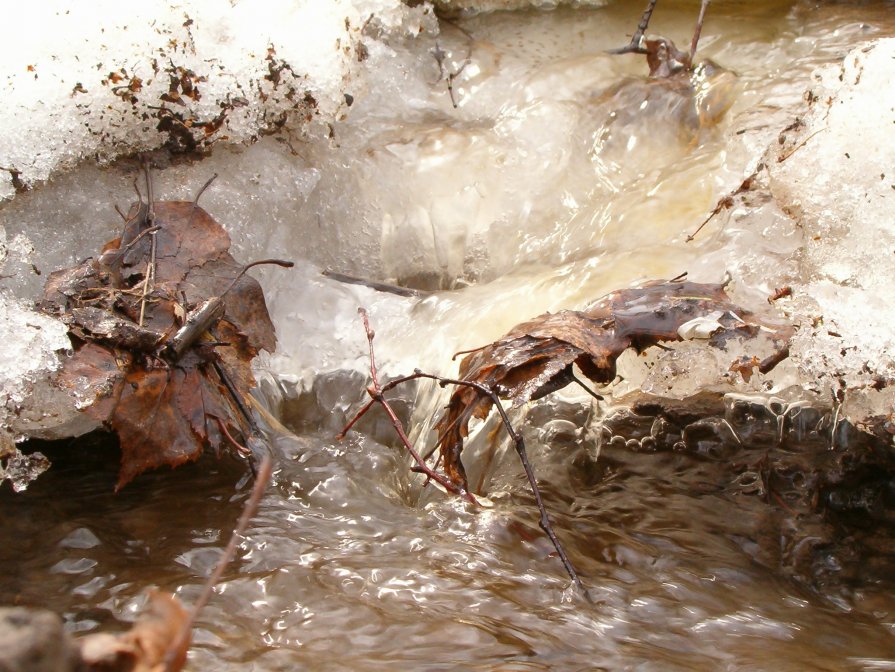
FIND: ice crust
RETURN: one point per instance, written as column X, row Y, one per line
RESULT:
column 105, row 78
column 509, row 198
column 33, row 348
column 838, row 184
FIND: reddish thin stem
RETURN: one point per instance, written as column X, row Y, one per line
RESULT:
column 241, row 449
column 251, row 506
column 519, row 445
column 357, row 416
column 375, row 390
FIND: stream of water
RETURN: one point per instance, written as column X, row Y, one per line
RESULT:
column 560, row 175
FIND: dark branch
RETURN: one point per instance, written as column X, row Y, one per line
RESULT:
column 204, row 187
column 635, row 46
column 376, row 392
column 519, row 445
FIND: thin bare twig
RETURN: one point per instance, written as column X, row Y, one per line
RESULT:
column 468, row 352
column 150, row 266
column 450, row 76
column 378, row 286
column 204, row 187
column 244, row 451
column 234, row 394
column 275, row 262
column 783, row 157
column 585, row 387
column 248, row 511
column 139, row 237
column 726, row 201
column 635, row 46
column 376, row 391
column 697, row 32
column 519, row 445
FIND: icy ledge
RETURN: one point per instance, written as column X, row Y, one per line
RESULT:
column 33, row 345
column 86, row 84
column 828, row 173
column 103, row 79
column 835, row 177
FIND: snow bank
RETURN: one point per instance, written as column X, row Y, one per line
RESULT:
column 84, row 84
column 835, row 176
column 107, row 78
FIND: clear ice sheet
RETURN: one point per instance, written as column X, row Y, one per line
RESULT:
column 539, row 191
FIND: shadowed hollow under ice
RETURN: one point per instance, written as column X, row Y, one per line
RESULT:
column 504, row 165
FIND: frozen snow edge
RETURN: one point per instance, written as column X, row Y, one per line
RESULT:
column 87, row 84
column 104, row 79
column 834, row 177
column 34, row 346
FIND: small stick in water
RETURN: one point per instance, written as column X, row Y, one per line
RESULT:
column 635, row 46
column 181, row 642
column 376, row 392
column 372, row 284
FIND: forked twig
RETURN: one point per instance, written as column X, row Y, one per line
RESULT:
column 635, row 46
column 638, row 45
column 450, row 76
column 376, row 392
column 519, row 445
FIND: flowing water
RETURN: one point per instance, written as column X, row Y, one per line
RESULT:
column 561, row 174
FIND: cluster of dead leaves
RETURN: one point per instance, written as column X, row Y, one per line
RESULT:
column 537, row 357
column 167, row 397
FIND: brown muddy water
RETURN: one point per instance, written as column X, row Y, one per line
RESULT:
column 757, row 539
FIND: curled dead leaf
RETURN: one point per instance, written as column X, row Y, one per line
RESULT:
column 537, row 357
column 146, row 647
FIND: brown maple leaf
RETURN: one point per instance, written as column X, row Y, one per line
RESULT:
column 165, row 396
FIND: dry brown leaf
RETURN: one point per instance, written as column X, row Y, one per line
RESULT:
column 165, row 408
column 536, row 357
column 146, row 647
